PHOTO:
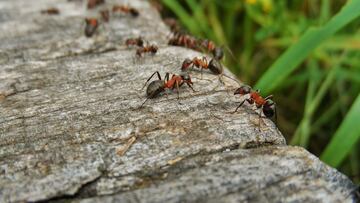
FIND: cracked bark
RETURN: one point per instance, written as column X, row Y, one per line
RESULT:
column 69, row 103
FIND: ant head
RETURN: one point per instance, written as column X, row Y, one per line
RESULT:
column 186, row 77
column 91, row 25
column 140, row 41
column 218, row 53
column 215, row 67
column 187, row 62
column 269, row 108
column 154, row 48
column 245, row 89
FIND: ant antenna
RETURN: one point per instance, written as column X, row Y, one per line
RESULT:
column 230, row 78
column 143, row 103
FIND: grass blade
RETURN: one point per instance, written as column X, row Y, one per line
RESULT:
column 185, row 18
column 347, row 135
column 312, row 38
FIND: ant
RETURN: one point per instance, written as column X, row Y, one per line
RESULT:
column 105, row 15
column 196, row 44
column 135, row 42
column 91, row 26
column 202, row 63
column 184, row 40
column 51, row 11
column 147, row 49
column 158, row 86
column 93, row 3
column 268, row 106
column 125, row 9
column 214, row 66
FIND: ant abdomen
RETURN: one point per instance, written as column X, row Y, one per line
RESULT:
column 218, row 53
column 155, row 88
column 215, row 67
column 269, row 108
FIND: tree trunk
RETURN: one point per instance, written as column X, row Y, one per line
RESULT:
column 71, row 128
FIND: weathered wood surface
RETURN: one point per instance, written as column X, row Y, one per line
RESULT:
column 69, row 108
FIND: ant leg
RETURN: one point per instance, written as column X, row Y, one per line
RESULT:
column 230, row 78
column 156, row 72
column 239, row 105
column 205, row 62
column 178, row 91
column 191, row 87
column 268, row 97
column 260, row 117
column 166, row 78
column 221, row 80
column 143, row 103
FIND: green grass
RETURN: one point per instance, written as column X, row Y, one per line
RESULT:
column 305, row 52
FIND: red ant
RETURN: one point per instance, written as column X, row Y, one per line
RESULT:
column 93, row 3
column 125, row 9
column 214, row 66
column 268, row 106
column 51, row 11
column 147, row 49
column 158, row 86
column 91, row 26
column 135, row 42
column 197, row 44
column 184, row 40
column 105, row 15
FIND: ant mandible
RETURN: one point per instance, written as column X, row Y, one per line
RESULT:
column 158, row 86
column 268, row 106
column 91, row 26
column 147, row 49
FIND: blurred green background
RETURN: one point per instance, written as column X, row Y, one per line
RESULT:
column 304, row 52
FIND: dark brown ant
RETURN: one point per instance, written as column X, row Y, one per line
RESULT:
column 135, row 42
column 191, row 42
column 184, row 40
column 51, row 11
column 147, row 49
column 91, row 26
column 125, row 9
column 268, row 106
column 158, row 86
column 93, row 3
column 105, row 14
